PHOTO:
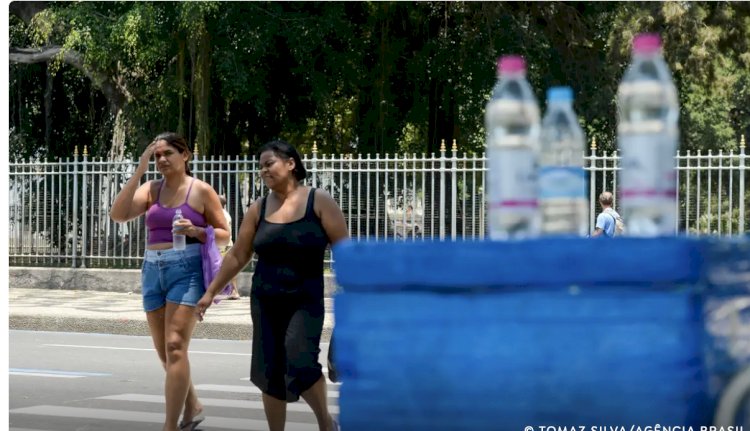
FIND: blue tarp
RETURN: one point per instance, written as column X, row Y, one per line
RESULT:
column 504, row 335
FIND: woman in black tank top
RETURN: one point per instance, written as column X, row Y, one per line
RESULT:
column 289, row 229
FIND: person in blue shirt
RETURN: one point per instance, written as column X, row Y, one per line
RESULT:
column 606, row 221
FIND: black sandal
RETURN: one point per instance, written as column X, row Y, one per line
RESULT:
column 190, row 426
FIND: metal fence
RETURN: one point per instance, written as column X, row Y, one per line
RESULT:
column 59, row 211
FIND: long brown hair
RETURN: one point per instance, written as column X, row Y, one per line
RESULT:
column 180, row 144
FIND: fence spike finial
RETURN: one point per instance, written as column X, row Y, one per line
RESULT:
column 742, row 142
column 442, row 145
column 315, row 147
column 454, row 148
column 75, row 150
column 85, row 151
column 593, row 143
column 195, row 151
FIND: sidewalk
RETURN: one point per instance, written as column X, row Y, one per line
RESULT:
column 122, row 313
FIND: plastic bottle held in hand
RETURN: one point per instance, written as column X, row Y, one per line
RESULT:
column 512, row 127
column 178, row 241
column 647, row 134
column 562, row 180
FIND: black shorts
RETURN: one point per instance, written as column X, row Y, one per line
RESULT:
column 286, row 344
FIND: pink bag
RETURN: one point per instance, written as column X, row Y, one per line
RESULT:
column 211, row 260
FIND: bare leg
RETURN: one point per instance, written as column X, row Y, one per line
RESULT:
column 156, row 325
column 178, row 327
column 235, row 294
column 317, row 398
column 193, row 406
column 275, row 412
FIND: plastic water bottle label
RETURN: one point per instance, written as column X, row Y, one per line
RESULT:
column 562, row 182
column 647, row 167
column 512, row 174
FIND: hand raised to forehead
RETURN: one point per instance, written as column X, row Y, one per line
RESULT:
column 146, row 156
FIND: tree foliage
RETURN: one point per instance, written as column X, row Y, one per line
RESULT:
column 350, row 76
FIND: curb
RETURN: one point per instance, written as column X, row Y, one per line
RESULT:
column 109, row 280
column 65, row 310
column 203, row 330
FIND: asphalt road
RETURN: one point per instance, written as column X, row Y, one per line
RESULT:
column 61, row 381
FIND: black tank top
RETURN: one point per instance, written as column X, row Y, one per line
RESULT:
column 290, row 255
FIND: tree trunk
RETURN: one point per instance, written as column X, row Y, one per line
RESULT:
column 181, row 88
column 191, row 93
column 49, row 86
column 384, row 27
column 20, row 106
column 201, row 89
column 433, row 134
column 117, row 150
column 113, row 89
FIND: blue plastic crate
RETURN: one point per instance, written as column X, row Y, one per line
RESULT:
column 504, row 335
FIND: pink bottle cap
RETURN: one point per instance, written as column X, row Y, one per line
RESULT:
column 646, row 43
column 511, row 64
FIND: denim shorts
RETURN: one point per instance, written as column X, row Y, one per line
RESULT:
column 171, row 275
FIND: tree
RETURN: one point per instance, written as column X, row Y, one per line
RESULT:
column 353, row 76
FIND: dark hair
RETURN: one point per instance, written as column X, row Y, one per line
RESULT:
column 179, row 143
column 286, row 151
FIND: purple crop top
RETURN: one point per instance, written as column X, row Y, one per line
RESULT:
column 159, row 219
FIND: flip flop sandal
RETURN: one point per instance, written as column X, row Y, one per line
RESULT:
column 190, row 426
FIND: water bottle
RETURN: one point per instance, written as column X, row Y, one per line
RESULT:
column 178, row 240
column 647, row 135
column 512, row 140
column 562, row 180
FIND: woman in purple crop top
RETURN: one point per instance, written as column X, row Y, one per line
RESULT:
column 172, row 280
column 289, row 229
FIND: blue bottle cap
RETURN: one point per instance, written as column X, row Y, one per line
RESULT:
column 559, row 94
